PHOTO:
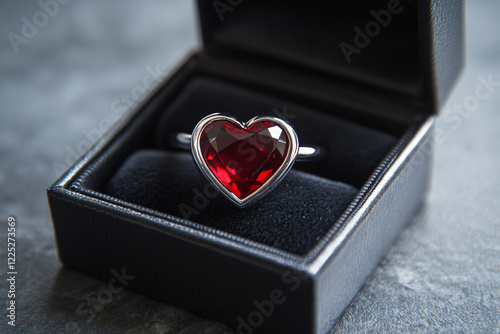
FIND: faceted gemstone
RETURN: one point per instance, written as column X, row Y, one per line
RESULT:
column 243, row 159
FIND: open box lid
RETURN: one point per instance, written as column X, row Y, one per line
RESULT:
column 409, row 49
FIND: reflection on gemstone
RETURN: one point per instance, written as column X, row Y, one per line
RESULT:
column 243, row 159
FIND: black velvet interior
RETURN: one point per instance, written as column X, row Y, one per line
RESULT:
column 297, row 213
column 354, row 151
column 293, row 217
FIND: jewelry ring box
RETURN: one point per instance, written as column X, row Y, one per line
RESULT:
column 364, row 79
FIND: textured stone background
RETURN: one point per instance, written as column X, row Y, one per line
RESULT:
column 442, row 275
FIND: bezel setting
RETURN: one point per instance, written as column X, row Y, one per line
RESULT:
column 272, row 182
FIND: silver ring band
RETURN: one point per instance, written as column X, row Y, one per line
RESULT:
column 306, row 153
column 230, row 169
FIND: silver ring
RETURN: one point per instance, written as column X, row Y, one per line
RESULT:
column 245, row 161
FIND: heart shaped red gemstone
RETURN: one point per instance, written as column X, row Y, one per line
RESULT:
column 243, row 159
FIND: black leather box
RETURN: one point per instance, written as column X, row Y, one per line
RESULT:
column 364, row 79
